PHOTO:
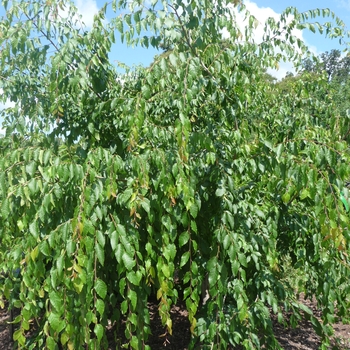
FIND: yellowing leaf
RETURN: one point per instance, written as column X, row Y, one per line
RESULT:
column 34, row 253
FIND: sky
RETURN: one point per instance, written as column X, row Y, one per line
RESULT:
column 261, row 9
column 340, row 7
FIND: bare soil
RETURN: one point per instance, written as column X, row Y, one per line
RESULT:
column 303, row 337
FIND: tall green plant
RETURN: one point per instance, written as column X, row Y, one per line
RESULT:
column 196, row 166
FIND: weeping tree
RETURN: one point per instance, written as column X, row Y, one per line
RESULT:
column 195, row 173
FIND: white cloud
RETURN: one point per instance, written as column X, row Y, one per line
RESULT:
column 262, row 14
column 87, row 9
column 2, row 130
column 7, row 104
column 283, row 69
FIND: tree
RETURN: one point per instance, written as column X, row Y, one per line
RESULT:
column 198, row 166
column 337, row 69
column 335, row 66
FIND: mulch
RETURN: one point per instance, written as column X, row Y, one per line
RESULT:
column 302, row 338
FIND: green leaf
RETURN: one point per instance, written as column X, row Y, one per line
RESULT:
column 100, row 307
column 114, row 103
column 101, row 288
column 317, row 326
column 56, row 301
column 128, row 261
column 99, row 331
column 99, row 213
column 3, row 187
column 279, row 150
column 242, row 259
column 304, row 194
column 286, row 198
column 119, row 25
column 121, row 230
column 100, row 253
column 146, row 91
column 50, row 343
column 213, row 272
column 194, row 226
column 235, row 266
column 124, row 307
column 134, row 342
column 132, row 296
column 101, row 239
column 31, row 168
column 34, row 229
column 64, row 338
column 184, row 259
column 194, row 268
column 173, row 59
column 345, row 202
column 56, row 323
column 20, row 225
column 305, row 308
column 166, row 270
column 91, row 128
column 145, row 203
column 184, row 238
column 5, row 208
column 194, row 210
column 47, row 155
column 134, row 277
column 34, row 253
column 44, row 248
column 60, row 263
column 33, row 186
column 114, row 240
column 122, row 285
column 18, row 336
column 220, row 192
column 78, row 285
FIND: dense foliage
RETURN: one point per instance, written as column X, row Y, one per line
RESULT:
column 337, row 67
column 193, row 179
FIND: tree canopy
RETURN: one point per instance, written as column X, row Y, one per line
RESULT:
column 196, row 171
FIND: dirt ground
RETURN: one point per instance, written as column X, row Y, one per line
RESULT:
column 301, row 338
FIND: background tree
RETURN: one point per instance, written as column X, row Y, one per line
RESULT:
column 336, row 67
